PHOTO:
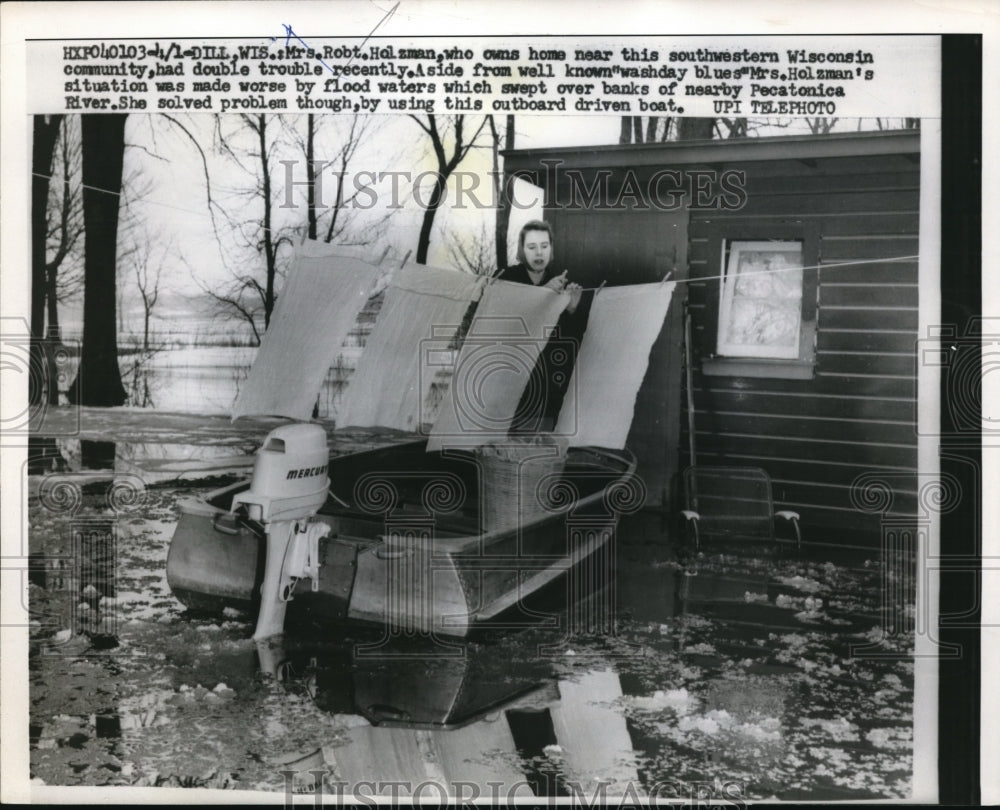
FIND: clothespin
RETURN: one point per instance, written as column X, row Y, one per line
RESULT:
column 407, row 256
column 666, row 278
column 382, row 257
column 600, row 287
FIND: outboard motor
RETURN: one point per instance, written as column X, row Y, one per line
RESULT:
column 288, row 487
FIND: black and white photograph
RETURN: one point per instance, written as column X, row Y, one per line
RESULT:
column 411, row 404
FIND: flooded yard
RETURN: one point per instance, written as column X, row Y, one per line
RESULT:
column 737, row 673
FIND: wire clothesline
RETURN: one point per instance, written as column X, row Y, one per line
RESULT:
column 696, row 279
column 699, row 279
column 723, row 277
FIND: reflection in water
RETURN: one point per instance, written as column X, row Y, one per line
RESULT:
column 527, row 724
column 732, row 669
column 72, row 611
column 44, row 456
column 206, row 379
column 97, row 455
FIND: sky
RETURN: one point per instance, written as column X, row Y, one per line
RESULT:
column 173, row 209
column 195, row 252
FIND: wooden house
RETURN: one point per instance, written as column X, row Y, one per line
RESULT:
column 809, row 375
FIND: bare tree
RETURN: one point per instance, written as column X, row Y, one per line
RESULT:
column 240, row 296
column 270, row 241
column 659, row 129
column 734, row 127
column 98, row 379
column 502, row 189
column 695, row 129
column 821, row 125
column 145, row 259
column 663, row 128
column 64, row 227
column 893, row 123
column 310, row 148
column 476, row 255
column 625, row 133
column 250, row 146
column 57, row 247
column 446, row 164
column 332, row 214
column 266, row 218
column 46, row 131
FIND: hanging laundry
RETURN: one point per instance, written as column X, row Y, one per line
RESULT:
column 624, row 323
column 326, row 287
column 512, row 324
column 423, row 310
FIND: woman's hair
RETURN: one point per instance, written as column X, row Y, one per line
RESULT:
column 534, row 225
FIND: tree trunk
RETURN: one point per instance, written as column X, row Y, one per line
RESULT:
column 695, row 129
column 53, row 337
column 637, row 128
column 504, row 201
column 437, row 194
column 269, row 250
column 46, row 131
column 52, row 331
column 310, row 175
column 446, row 166
column 98, row 380
column 625, row 133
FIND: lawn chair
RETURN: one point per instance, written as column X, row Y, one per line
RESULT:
column 732, row 503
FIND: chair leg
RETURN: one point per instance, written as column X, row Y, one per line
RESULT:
column 691, row 524
column 793, row 518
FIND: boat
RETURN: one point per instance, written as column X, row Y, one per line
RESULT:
column 438, row 535
column 410, row 567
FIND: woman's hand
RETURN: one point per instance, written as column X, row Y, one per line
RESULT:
column 575, row 292
column 561, row 284
column 557, row 283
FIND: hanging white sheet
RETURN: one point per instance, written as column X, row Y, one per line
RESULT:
column 423, row 309
column 326, row 287
column 614, row 355
column 512, row 324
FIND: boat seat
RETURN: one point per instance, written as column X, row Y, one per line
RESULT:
column 732, row 503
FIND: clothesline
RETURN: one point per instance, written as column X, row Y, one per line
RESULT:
column 666, row 278
column 119, row 194
column 698, row 279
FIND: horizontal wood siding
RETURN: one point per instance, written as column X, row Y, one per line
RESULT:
column 858, row 414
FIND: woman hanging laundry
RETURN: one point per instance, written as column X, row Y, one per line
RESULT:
column 543, row 396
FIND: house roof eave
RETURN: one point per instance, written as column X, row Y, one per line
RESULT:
column 703, row 152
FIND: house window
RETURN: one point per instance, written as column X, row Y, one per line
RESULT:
column 761, row 302
column 760, row 314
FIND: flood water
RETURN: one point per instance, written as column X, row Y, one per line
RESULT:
column 740, row 673
column 206, row 379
